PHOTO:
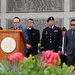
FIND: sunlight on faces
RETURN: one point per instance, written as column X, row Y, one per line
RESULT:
column 30, row 23
column 16, row 23
column 73, row 25
column 51, row 22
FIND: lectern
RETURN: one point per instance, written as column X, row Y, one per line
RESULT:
column 11, row 41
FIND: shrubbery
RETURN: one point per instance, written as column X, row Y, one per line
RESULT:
column 34, row 65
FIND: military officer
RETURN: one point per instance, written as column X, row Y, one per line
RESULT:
column 52, row 36
column 34, row 38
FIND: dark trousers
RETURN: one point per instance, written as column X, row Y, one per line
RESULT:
column 63, row 59
column 71, row 60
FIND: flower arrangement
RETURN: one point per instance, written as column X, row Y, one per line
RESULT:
column 51, row 57
column 33, row 65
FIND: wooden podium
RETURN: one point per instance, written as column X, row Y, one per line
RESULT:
column 18, row 37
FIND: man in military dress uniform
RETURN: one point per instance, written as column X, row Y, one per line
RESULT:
column 52, row 36
column 34, row 38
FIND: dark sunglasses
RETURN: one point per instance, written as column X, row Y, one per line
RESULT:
column 72, row 24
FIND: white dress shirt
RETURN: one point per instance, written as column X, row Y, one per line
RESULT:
column 63, row 44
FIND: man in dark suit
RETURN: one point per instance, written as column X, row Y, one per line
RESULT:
column 52, row 37
column 34, row 38
column 69, row 44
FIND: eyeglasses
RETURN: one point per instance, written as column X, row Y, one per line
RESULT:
column 30, row 22
column 15, row 22
column 72, row 24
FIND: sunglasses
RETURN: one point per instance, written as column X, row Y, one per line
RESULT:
column 72, row 24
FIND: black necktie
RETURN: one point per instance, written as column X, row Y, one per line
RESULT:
column 73, row 33
column 51, row 27
column 16, row 28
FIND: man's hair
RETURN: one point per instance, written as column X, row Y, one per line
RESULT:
column 17, row 18
column 72, row 20
column 31, row 19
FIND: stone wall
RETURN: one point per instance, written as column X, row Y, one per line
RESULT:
column 39, row 10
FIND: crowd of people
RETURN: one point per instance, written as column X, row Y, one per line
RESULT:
column 61, row 41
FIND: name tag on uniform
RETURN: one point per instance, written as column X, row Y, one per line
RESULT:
column 55, row 30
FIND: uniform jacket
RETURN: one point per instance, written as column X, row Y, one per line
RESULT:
column 52, row 38
column 34, row 38
column 69, row 43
